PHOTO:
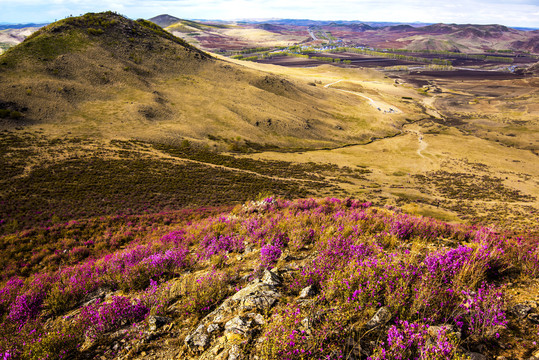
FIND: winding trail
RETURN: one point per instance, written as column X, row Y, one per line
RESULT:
column 422, row 144
column 378, row 105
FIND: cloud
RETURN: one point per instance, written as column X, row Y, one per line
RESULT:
column 508, row 12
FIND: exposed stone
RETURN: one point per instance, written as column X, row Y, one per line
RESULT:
column 214, row 327
column 382, row 316
column 155, row 322
column 476, row 356
column 257, row 318
column 259, row 300
column 521, row 310
column 307, row 292
column 450, row 330
column 234, row 353
column 240, row 325
column 271, row 278
column 198, row 340
column 307, row 323
column 257, row 297
column 534, row 318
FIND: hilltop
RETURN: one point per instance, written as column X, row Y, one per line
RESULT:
column 164, row 20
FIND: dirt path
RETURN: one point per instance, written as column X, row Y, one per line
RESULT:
column 422, row 144
column 378, row 105
column 162, row 155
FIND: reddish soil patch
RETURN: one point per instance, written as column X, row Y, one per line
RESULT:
column 467, row 75
column 291, row 61
column 356, row 61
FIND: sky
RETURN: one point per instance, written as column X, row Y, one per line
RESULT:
column 516, row 13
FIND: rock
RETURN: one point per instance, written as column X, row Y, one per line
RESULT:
column 382, row 316
column 307, row 292
column 256, row 298
column 257, row 318
column 271, row 278
column 234, row 353
column 450, row 330
column 240, row 325
column 198, row 340
column 214, row 327
column 259, row 301
column 476, row 356
column 521, row 310
column 155, row 322
column 306, row 323
column 534, row 318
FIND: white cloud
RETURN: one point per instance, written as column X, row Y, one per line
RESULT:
column 508, row 12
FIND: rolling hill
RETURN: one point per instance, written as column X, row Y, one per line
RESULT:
column 104, row 74
column 164, row 20
column 101, row 114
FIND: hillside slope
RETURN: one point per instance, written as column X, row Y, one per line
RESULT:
column 272, row 279
column 102, row 74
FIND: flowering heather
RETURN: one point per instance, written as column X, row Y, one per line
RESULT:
column 221, row 244
column 102, row 317
column 269, row 254
column 413, row 341
column 484, row 311
column 358, row 259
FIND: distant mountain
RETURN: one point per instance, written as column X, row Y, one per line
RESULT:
column 16, row 36
column 400, row 28
column 164, row 20
column 356, row 27
column 5, row 26
column 270, row 27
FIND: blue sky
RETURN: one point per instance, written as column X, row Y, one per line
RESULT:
column 523, row 13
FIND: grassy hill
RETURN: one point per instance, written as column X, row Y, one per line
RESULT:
column 101, row 115
column 102, row 74
column 164, row 20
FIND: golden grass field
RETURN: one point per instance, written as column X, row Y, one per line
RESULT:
column 467, row 150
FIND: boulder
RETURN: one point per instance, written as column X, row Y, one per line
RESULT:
column 257, row 297
column 240, row 325
column 521, row 310
column 307, row 292
column 155, row 322
column 271, row 278
column 198, row 340
column 382, row 317
column 450, row 330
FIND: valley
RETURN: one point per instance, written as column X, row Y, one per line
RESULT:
column 211, row 190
